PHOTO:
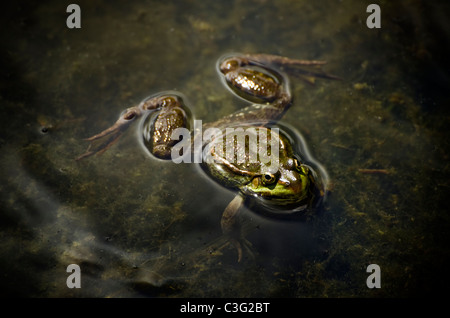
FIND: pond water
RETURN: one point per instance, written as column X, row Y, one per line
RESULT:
column 140, row 227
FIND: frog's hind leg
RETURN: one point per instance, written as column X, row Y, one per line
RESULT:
column 232, row 228
column 306, row 70
column 309, row 73
column 101, row 142
column 111, row 135
column 105, row 145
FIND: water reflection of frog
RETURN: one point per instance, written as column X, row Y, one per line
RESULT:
column 288, row 188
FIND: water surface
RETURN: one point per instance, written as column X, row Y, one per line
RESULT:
column 138, row 226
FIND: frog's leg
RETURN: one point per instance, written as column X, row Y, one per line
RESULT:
column 307, row 70
column 109, row 136
column 232, row 228
column 101, row 142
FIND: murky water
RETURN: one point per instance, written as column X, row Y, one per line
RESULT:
column 138, row 226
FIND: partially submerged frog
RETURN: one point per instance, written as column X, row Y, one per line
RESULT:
column 284, row 186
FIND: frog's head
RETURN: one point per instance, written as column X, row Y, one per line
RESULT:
column 232, row 63
column 292, row 189
column 229, row 65
column 281, row 185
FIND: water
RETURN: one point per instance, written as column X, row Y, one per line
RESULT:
column 138, row 226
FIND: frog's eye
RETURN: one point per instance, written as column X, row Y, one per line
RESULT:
column 302, row 169
column 169, row 101
column 229, row 65
column 297, row 164
column 268, row 178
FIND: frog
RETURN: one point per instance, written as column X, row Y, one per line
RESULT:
column 285, row 187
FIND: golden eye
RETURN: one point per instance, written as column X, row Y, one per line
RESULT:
column 302, row 169
column 268, row 178
column 297, row 164
column 169, row 101
column 229, row 65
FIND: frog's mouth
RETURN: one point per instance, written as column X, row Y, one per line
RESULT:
column 279, row 200
column 279, row 191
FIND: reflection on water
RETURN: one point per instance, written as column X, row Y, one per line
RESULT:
column 138, row 226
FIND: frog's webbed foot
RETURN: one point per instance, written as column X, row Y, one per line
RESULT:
column 99, row 149
column 242, row 242
column 232, row 228
column 101, row 142
column 307, row 70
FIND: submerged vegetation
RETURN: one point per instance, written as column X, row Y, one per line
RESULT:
column 140, row 226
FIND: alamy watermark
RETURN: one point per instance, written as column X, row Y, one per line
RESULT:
column 234, row 145
column 374, row 279
column 73, row 21
column 374, row 19
column 74, row 279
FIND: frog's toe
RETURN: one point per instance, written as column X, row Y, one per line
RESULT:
column 249, row 248
column 241, row 245
column 238, row 247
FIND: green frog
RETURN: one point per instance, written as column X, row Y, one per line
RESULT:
column 243, row 151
